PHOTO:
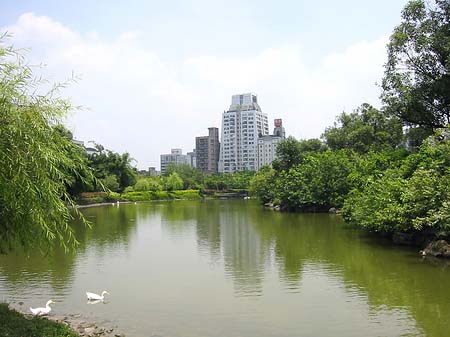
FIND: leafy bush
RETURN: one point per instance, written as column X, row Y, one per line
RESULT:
column 410, row 197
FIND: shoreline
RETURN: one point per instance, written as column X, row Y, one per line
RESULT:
column 81, row 324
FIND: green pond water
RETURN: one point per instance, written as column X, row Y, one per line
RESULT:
column 232, row 269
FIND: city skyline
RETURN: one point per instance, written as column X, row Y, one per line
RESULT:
column 165, row 67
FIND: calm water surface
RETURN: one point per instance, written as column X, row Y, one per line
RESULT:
column 233, row 269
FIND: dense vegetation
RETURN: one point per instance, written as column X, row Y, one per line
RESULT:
column 389, row 169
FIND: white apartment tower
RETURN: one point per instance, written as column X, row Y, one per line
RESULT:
column 267, row 145
column 242, row 125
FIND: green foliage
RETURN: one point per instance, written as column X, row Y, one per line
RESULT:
column 364, row 130
column 376, row 206
column 320, row 182
column 416, row 135
column 312, row 145
column 173, row 182
column 372, row 165
column 262, row 184
column 129, row 189
column 14, row 324
column 38, row 162
column 192, row 177
column 107, row 164
column 148, row 184
column 160, row 195
column 186, row 194
column 410, row 197
column 416, row 83
column 289, row 154
column 214, row 182
column 111, row 182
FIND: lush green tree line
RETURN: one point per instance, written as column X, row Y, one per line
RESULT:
column 391, row 190
column 387, row 169
column 186, row 177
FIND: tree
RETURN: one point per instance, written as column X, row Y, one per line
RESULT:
column 288, row 154
column 416, row 82
column 37, row 161
column 363, row 130
column 410, row 197
column 321, row 181
column 108, row 163
column 174, row 182
column 262, row 184
column 192, row 177
column 291, row 152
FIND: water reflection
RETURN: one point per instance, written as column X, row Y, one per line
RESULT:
column 111, row 229
column 244, row 253
column 231, row 263
column 252, row 241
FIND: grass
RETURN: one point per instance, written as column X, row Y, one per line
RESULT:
column 14, row 324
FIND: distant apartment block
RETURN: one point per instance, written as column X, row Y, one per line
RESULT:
column 207, row 151
column 152, row 172
column 267, row 145
column 192, row 157
column 176, row 156
column 242, row 125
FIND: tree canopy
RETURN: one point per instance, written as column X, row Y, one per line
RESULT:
column 363, row 130
column 112, row 169
column 416, row 83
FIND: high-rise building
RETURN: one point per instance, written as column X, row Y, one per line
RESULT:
column 207, row 151
column 267, row 145
column 242, row 124
column 192, row 156
column 176, row 156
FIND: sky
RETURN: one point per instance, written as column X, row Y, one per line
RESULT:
column 153, row 75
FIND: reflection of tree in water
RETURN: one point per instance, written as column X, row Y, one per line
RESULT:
column 20, row 269
column 284, row 234
column 111, row 227
column 216, row 224
column 208, row 230
column 178, row 217
column 244, row 253
column 386, row 273
column 392, row 278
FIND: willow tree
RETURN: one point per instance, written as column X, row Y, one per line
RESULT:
column 37, row 162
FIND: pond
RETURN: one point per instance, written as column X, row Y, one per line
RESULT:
column 230, row 268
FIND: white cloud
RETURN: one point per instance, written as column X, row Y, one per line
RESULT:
column 145, row 105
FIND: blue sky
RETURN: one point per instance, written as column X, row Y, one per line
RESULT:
column 155, row 74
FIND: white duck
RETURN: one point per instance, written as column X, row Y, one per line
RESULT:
column 42, row 311
column 94, row 297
